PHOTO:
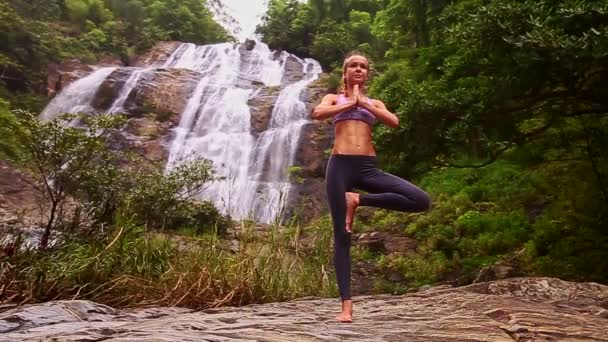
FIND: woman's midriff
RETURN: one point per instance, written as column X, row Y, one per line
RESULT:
column 353, row 137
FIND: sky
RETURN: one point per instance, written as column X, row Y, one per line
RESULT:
column 248, row 13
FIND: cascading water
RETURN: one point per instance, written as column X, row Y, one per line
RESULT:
column 216, row 120
column 129, row 85
column 217, row 125
column 276, row 147
column 77, row 96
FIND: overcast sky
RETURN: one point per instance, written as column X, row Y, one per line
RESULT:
column 248, row 13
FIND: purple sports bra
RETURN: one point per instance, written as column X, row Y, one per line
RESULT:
column 357, row 113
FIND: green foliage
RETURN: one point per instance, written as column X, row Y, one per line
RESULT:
column 334, row 41
column 294, row 173
column 493, row 213
column 160, row 200
column 417, row 270
column 569, row 239
column 359, row 254
column 288, row 26
column 48, row 10
column 360, row 23
column 8, row 144
column 87, row 12
column 25, row 50
column 502, row 113
column 129, row 267
column 179, row 20
column 510, row 80
column 61, row 158
column 497, row 79
column 35, row 33
column 71, row 161
column 324, row 30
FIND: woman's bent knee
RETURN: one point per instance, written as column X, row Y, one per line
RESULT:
column 424, row 202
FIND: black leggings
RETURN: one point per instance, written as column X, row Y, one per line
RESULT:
column 345, row 172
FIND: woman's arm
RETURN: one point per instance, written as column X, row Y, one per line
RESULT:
column 327, row 108
column 380, row 111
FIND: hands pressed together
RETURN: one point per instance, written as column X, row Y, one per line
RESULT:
column 358, row 99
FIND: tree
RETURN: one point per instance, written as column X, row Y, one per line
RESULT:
column 47, row 10
column 60, row 156
column 276, row 22
column 82, row 182
column 332, row 42
column 506, row 74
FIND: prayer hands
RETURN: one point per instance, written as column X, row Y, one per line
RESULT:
column 352, row 99
column 358, row 98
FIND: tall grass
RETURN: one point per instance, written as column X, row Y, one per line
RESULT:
column 135, row 267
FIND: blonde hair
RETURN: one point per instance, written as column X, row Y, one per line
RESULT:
column 344, row 86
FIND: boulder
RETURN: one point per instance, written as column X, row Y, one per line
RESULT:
column 495, row 272
column 386, row 243
column 110, row 89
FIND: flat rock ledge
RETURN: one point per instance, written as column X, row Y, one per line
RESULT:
column 518, row 309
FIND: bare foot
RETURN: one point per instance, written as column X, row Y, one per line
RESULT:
column 344, row 318
column 347, row 312
column 352, row 202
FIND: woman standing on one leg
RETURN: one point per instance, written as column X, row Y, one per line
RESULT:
column 353, row 165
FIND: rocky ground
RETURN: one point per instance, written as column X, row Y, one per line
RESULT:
column 517, row 309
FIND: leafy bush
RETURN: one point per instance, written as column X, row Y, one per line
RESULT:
column 160, row 200
column 83, row 183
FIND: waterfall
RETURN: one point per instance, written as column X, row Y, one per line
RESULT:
column 77, row 97
column 275, row 149
column 216, row 120
column 217, row 125
column 126, row 89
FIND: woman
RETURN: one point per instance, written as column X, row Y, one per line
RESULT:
column 353, row 165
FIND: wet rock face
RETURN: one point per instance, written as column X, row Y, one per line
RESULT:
column 61, row 75
column 109, row 90
column 153, row 106
column 308, row 196
column 249, row 44
column 164, row 92
column 261, row 106
column 312, row 154
column 521, row 309
column 159, row 91
column 158, row 54
column 497, row 271
column 150, row 138
column 293, row 71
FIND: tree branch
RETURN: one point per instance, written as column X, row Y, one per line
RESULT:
column 518, row 141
